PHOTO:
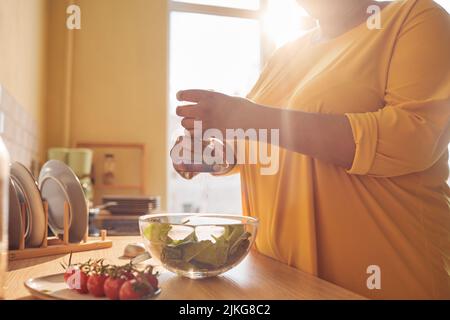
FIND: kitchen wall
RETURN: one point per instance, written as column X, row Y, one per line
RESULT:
column 108, row 81
column 19, row 132
column 23, row 66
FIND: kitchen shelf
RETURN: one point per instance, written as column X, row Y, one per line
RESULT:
column 118, row 187
column 139, row 187
column 111, row 145
column 116, row 217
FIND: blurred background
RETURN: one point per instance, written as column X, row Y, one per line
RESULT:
column 102, row 98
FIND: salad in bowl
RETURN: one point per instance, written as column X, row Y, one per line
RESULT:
column 198, row 246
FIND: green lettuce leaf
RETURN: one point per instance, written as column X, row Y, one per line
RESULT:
column 193, row 250
column 215, row 254
column 191, row 238
column 192, row 254
column 233, row 233
column 158, row 232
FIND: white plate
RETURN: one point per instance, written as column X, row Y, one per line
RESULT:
column 54, row 288
column 22, row 200
column 24, row 181
column 58, row 183
column 15, row 217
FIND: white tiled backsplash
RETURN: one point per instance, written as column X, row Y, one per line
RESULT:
column 20, row 133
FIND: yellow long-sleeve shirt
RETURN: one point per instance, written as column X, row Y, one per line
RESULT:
column 391, row 209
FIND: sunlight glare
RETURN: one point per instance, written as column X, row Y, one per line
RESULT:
column 283, row 21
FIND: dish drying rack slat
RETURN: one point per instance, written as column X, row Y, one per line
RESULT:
column 56, row 245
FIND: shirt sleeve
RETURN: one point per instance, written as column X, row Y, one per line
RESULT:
column 411, row 133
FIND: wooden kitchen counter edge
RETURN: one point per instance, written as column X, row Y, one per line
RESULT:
column 257, row 277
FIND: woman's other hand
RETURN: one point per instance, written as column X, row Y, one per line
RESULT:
column 215, row 110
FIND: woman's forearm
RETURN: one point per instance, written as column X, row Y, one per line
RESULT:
column 327, row 137
column 324, row 136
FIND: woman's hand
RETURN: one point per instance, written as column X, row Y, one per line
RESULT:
column 215, row 110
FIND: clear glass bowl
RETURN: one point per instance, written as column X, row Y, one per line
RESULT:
column 198, row 246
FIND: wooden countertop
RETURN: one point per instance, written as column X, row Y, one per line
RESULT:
column 257, row 277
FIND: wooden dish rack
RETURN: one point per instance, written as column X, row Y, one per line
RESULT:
column 56, row 245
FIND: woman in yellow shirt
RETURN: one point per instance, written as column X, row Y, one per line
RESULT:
column 364, row 117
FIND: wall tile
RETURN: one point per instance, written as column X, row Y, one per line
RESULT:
column 20, row 130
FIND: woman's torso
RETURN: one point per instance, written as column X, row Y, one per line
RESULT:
column 317, row 217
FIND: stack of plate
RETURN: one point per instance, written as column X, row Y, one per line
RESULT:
column 57, row 185
column 133, row 205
